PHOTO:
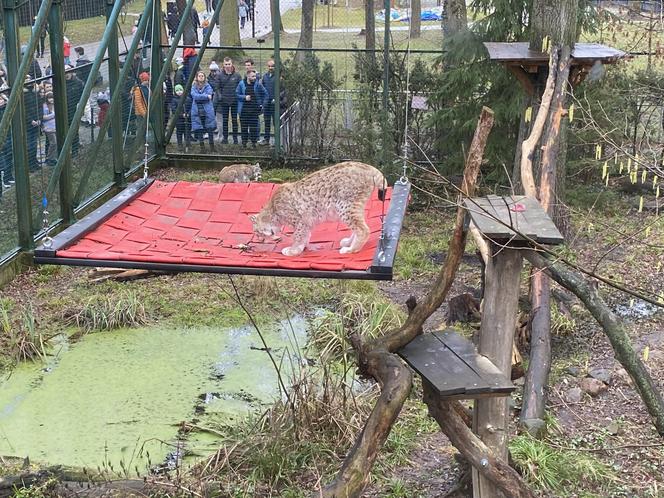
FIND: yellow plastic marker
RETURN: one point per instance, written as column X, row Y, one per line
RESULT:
column 621, row 167
column 607, row 180
column 646, row 353
column 641, row 204
column 648, row 232
column 571, row 112
column 605, row 170
column 528, row 115
column 644, row 175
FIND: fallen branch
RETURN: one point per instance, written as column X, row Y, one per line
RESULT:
column 614, row 329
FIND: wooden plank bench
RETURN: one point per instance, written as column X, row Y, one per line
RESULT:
column 451, row 365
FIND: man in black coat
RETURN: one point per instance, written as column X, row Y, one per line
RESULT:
column 225, row 99
column 74, row 89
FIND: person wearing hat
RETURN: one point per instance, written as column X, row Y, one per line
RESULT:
column 103, row 105
column 182, row 120
column 180, row 78
column 141, row 94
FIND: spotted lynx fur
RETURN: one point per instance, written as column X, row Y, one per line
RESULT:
column 240, row 173
column 338, row 192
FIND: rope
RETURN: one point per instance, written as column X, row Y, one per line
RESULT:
column 405, row 148
column 146, row 171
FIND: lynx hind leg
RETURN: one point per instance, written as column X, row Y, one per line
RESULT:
column 355, row 221
column 300, row 240
column 347, row 241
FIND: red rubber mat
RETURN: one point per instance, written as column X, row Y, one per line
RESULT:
column 208, row 224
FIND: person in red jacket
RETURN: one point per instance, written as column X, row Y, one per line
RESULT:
column 66, row 49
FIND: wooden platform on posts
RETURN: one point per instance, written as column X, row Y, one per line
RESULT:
column 451, row 365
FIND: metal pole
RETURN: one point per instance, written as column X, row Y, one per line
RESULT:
column 156, row 94
column 73, row 129
column 386, row 85
column 26, row 58
column 253, row 18
column 19, row 132
column 56, row 35
column 116, row 98
column 197, row 62
column 276, row 29
column 115, row 117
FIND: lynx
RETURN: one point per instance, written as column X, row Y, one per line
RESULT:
column 240, row 173
column 338, row 192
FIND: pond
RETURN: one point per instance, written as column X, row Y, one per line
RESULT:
column 116, row 400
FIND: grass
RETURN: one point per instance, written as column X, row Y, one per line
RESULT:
column 365, row 313
column 110, row 312
column 20, row 337
column 552, row 469
column 83, row 31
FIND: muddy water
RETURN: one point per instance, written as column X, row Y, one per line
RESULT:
column 117, row 399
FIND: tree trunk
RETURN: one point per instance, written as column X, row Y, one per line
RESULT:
column 555, row 20
column 376, row 357
column 228, row 25
column 370, row 27
column 534, row 401
column 415, row 18
column 455, row 19
column 189, row 33
column 306, row 29
column 275, row 16
column 614, row 329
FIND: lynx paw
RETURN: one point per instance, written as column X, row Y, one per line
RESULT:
column 346, row 242
column 345, row 250
column 291, row 251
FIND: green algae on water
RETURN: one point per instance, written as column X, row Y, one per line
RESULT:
column 117, row 399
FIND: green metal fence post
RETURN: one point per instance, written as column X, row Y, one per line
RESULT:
column 386, row 86
column 56, row 36
column 116, row 116
column 276, row 29
column 157, row 95
column 18, row 128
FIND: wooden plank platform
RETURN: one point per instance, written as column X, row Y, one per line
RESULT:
column 453, row 368
column 500, row 218
column 583, row 53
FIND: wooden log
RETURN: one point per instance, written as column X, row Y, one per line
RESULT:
column 493, row 469
column 613, row 327
column 501, row 304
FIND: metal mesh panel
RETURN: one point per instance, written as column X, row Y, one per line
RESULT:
column 8, row 219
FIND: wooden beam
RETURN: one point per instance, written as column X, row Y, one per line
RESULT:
column 501, row 304
column 523, row 77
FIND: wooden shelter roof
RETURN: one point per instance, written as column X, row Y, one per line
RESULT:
column 583, row 53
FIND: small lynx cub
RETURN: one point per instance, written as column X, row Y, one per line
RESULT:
column 240, row 173
column 338, row 192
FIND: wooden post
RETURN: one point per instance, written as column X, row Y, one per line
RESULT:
column 501, row 301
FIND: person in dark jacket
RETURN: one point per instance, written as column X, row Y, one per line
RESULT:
column 250, row 100
column 74, row 89
column 183, row 119
column 42, row 40
column 202, row 110
column 35, row 71
column 172, row 18
column 268, row 108
column 83, row 65
column 226, row 83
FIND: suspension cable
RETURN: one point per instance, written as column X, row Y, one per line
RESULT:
column 146, row 171
column 405, row 148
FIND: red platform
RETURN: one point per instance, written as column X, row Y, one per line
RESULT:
column 208, row 224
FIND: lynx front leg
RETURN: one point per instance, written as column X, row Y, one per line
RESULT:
column 347, row 241
column 300, row 239
column 355, row 221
